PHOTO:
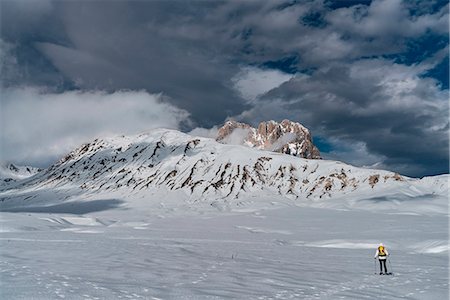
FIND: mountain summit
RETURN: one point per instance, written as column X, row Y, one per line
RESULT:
column 286, row 137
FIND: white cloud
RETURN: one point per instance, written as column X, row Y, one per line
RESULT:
column 205, row 132
column 387, row 19
column 283, row 140
column 252, row 82
column 237, row 136
column 355, row 153
column 39, row 127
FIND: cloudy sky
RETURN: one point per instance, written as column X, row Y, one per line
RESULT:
column 368, row 78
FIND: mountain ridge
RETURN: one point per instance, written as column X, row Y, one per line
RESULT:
column 198, row 169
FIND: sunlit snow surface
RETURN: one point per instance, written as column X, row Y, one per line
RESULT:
column 269, row 251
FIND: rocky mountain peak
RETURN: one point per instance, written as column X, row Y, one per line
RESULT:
column 285, row 137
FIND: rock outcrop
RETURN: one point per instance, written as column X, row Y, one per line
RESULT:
column 286, row 137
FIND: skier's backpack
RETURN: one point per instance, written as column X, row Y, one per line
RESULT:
column 381, row 251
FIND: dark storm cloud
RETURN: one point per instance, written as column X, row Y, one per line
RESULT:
column 147, row 47
column 388, row 107
column 23, row 24
column 357, row 78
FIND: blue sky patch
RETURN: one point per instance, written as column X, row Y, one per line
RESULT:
column 322, row 143
column 441, row 73
column 287, row 64
column 335, row 4
column 421, row 48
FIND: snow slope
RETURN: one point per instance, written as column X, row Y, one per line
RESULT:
column 11, row 172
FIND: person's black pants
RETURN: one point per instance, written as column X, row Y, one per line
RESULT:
column 383, row 262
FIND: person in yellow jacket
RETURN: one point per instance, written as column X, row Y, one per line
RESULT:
column 382, row 255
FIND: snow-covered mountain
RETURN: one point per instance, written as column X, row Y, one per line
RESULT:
column 11, row 172
column 285, row 137
column 167, row 162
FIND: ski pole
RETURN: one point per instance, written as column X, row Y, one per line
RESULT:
column 374, row 266
column 390, row 266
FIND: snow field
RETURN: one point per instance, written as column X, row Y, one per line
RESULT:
column 281, row 253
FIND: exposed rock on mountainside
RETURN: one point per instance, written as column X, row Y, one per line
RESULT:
column 286, row 137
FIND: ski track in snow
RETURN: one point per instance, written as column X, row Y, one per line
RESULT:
column 285, row 253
